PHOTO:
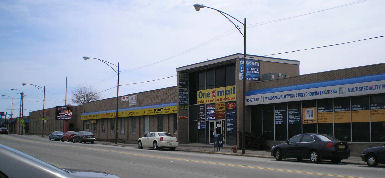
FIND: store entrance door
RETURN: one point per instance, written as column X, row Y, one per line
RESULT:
column 215, row 126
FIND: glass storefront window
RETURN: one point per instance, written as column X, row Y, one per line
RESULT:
column 342, row 119
column 280, row 120
column 377, row 116
column 294, row 118
column 220, row 77
column 210, row 79
column 230, row 75
column 325, row 116
column 309, row 116
column 360, row 119
column 268, row 122
column 133, row 126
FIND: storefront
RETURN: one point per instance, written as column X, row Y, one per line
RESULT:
column 351, row 109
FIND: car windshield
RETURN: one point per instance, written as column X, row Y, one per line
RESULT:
column 164, row 134
column 58, row 132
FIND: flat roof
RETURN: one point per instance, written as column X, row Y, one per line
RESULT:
column 234, row 57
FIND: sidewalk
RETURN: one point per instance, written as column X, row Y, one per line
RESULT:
column 209, row 149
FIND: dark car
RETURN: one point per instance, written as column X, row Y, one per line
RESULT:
column 315, row 147
column 84, row 136
column 68, row 136
column 374, row 155
column 3, row 130
column 56, row 135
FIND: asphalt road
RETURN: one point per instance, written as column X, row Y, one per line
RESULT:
column 132, row 162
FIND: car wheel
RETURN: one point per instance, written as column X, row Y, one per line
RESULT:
column 140, row 145
column 92, row 142
column 73, row 141
column 336, row 160
column 371, row 161
column 155, row 145
column 314, row 157
column 278, row 155
column 62, row 140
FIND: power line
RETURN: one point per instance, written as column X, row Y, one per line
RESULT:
column 326, row 46
column 305, row 14
column 250, row 26
column 136, row 83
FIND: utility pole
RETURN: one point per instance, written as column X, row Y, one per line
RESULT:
column 65, row 127
column 43, row 119
column 21, row 112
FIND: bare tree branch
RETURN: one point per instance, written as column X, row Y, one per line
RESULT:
column 84, row 95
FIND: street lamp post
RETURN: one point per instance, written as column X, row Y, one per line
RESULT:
column 43, row 119
column 229, row 17
column 21, row 107
column 109, row 64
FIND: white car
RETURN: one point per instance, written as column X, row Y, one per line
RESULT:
column 157, row 140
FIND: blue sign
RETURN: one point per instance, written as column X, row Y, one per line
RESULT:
column 252, row 69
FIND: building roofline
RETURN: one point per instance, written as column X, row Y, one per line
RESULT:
column 235, row 56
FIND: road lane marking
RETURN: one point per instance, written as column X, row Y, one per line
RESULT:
column 193, row 161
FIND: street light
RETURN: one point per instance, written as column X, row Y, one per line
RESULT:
column 109, row 64
column 229, row 17
column 43, row 119
column 21, row 111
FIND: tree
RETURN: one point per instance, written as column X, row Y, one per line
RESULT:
column 84, row 95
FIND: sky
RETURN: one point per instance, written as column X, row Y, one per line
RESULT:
column 43, row 41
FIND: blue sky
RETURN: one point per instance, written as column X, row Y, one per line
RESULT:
column 43, row 41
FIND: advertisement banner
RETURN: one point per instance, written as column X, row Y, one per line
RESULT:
column 210, row 111
column 360, row 116
column 216, row 95
column 63, row 113
column 325, row 117
column 309, row 115
column 342, row 117
column 252, row 69
column 377, row 115
column 317, row 91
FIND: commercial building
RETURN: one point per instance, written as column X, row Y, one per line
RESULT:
column 138, row 113
column 347, row 103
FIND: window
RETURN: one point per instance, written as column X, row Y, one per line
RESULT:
column 133, row 126
column 102, row 125
column 268, row 122
column 324, row 138
column 280, row 120
column 325, row 116
column 173, row 116
column 210, row 79
column 160, row 123
column 94, row 127
column 164, row 134
column 295, row 139
column 309, row 116
column 377, row 115
column 342, row 119
column 112, row 124
column 230, row 75
column 121, row 126
column 146, row 124
column 152, row 134
column 360, row 119
column 294, row 119
column 202, row 80
column 307, row 138
column 220, row 77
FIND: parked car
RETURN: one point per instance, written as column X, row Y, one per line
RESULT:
column 56, row 135
column 374, row 155
column 3, row 130
column 84, row 136
column 158, row 140
column 315, row 147
column 68, row 136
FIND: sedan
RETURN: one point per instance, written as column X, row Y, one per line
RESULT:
column 3, row 130
column 56, row 135
column 84, row 136
column 68, row 136
column 158, row 140
column 315, row 147
column 374, row 155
